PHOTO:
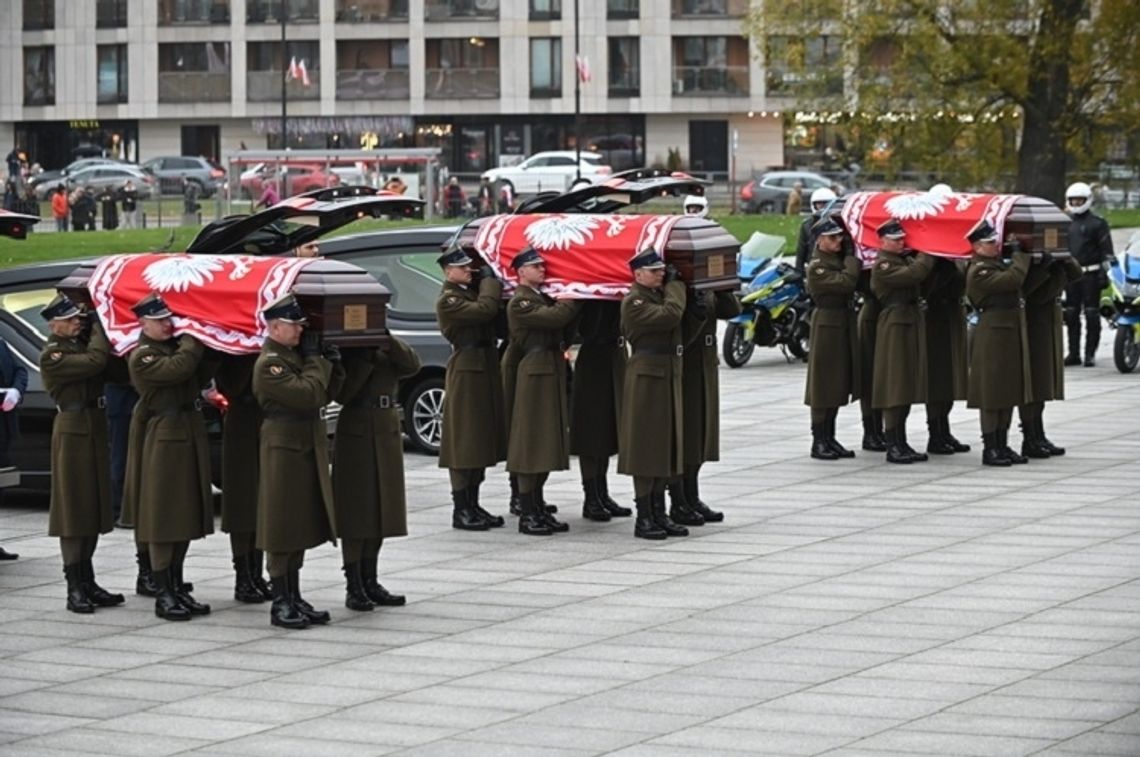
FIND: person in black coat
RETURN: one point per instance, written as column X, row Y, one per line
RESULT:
column 1091, row 243
column 13, row 385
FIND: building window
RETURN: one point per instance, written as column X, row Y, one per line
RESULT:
column 111, row 75
column 39, row 76
column 194, row 72
column 625, row 68
column 177, row 12
column 269, row 11
column 546, row 67
column 461, row 68
column 111, row 14
column 265, row 69
column 371, row 11
column 710, row 66
column 372, row 69
column 463, row 10
column 812, row 64
column 39, row 14
column 707, row 8
column 545, row 10
column 618, row 9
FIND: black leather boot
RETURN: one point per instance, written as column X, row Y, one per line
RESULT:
column 540, row 500
column 77, row 599
column 1031, row 445
column 99, row 596
column 1054, row 450
column 463, row 516
column 896, row 453
column 1014, row 457
column 645, row 527
column 531, row 522
column 493, row 521
column 833, row 443
column 183, row 589
column 256, row 564
column 317, row 617
column 680, row 511
column 548, row 518
column 376, row 591
column 873, row 439
column 956, row 445
column 820, row 449
column 516, row 504
column 244, row 590
column 145, row 585
column 592, row 506
column 167, row 604
column 284, row 612
column 915, row 455
column 992, row 453
column 1072, row 359
column 693, row 494
column 662, row 519
column 937, row 442
column 613, row 507
column 355, row 597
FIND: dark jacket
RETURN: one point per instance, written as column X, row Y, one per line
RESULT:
column 945, row 332
column 1043, row 324
column 900, row 335
column 700, row 368
column 833, row 375
column 999, row 357
column 599, row 374
column 240, row 429
column 13, row 375
column 1090, row 239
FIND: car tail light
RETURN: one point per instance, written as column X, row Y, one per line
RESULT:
column 746, row 191
column 216, row 173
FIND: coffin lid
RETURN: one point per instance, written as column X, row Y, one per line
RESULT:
column 298, row 220
column 631, row 187
column 16, row 225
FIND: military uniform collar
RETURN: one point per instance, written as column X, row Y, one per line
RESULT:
column 646, row 291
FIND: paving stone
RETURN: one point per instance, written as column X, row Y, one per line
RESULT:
column 96, row 741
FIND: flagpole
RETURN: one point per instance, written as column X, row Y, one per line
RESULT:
column 284, row 81
column 577, row 97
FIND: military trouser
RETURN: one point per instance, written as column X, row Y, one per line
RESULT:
column 593, row 467
column 242, row 543
column 531, row 482
column 281, row 563
column 163, row 554
column 1030, row 412
column 1083, row 295
column 644, row 486
column 895, row 417
column 996, row 420
column 77, row 549
column 463, row 478
column 356, row 550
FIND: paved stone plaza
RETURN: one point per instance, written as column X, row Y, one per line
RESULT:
column 846, row 608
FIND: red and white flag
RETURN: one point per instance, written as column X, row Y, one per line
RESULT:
column 294, row 71
column 583, row 64
column 304, row 73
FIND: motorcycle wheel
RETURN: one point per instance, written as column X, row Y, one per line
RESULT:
column 737, row 348
column 800, row 343
column 1126, row 352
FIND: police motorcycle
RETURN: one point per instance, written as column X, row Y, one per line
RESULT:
column 775, row 305
column 1121, row 307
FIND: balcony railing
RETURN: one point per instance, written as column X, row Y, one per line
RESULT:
column 178, row 12
column 460, row 10
column 373, row 84
column 371, row 11
column 265, row 86
column 625, row 84
column 111, row 14
column 269, row 11
column 461, row 83
column 708, row 81
column 618, row 9
column 710, row 8
column 194, row 87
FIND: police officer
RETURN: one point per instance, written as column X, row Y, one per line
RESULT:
column 168, row 492
column 900, row 338
column 945, row 352
column 72, row 365
column 595, row 402
column 539, row 417
column 368, row 467
column 1091, row 244
column 651, row 408
column 821, row 200
column 292, row 381
column 833, row 363
column 240, row 427
column 474, row 435
column 999, row 359
column 1043, row 286
column 700, row 402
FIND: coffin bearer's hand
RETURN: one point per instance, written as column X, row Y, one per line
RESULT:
column 331, row 352
column 310, row 344
column 671, row 273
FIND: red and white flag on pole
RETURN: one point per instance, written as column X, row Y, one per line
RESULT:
column 583, row 64
column 304, row 73
column 294, row 71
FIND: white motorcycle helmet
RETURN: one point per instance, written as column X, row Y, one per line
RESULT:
column 1078, row 198
column 820, row 198
column 942, row 190
column 696, row 205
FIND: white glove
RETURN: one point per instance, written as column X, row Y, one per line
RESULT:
column 11, row 399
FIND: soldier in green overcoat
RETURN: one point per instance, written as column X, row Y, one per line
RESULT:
column 292, row 381
column 240, row 427
column 595, row 402
column 1044, row 327
column 650, row 432
column 873, row 440
column 945, row 352
column 168, row 461
column 999, row 358
column 73, row 366
column 538, row 440
column 368, row 467
column 900, row 338
column 833, row 376
column 474, row 435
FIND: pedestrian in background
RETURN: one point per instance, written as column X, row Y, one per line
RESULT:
column 130, row 200
column 795, row 199
column 60, row 209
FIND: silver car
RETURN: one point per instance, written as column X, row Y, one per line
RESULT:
column 768, row 192
column 113, row 177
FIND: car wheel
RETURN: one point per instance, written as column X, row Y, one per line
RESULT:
column 767, row 207
column 423, row 415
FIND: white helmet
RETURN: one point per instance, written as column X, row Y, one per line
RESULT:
column 1078, row 198
column 942, row 190
column 821, row 197
column 696, row 205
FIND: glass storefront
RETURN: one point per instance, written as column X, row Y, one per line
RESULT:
column 54, row 144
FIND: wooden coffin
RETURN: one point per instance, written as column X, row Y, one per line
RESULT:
column 1038, row 225
column 704, row 253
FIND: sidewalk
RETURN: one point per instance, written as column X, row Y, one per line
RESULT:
column 842, row 609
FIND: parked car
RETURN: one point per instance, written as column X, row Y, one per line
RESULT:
column 553, row 170
column 768, row 192
column 298, row 178
column 171, row 170
column 50, row 179
column 106, row 176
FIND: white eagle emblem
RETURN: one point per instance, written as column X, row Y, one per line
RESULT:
column 180, row 272
column 916, row 205
column 561, row 231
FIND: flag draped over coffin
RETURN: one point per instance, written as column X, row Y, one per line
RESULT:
column 216, row 298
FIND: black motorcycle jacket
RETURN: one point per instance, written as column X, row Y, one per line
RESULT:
column 1090, row 240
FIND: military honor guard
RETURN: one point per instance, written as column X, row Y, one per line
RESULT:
column 945, row 353
column 293, row 378
column 368, row 467
column 833, row 375
column 999, row 358
column 651, row 408
column 900, row 338
column 168, row 493
column 474, row 435
column 868, row 323
column 73, row 364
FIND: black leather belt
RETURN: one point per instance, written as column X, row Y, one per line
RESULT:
column 834, row 305
column 679, row 351
column 166, row 412
column 617, row 342
column 75, row 407
column 1004, row 304
column 1091, row 268
column 383, row 401
column 292, row 416
column 478, row 344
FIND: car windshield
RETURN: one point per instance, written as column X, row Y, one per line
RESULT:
column 413, row 278
column 25, row 308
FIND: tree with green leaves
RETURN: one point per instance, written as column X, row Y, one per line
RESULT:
column 966, row 89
